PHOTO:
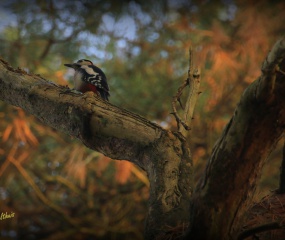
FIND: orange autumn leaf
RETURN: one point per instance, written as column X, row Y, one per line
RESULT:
column 123, row 171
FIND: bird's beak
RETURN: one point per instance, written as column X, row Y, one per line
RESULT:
column 71, row 65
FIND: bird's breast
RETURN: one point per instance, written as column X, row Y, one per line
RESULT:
column 82, row 86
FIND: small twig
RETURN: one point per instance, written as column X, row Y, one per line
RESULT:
column 190, row 64
column 176, row 98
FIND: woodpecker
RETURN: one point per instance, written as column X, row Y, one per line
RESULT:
column 88, row 77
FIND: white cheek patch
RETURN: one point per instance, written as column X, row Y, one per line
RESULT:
column 89, row 70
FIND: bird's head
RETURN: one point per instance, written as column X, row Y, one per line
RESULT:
column 78, row 64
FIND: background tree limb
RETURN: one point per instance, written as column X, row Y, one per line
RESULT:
column 225, row 193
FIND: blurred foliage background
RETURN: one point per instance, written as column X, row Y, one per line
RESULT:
column 59, row 189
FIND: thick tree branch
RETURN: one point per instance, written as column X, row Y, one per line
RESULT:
column 98, row 124
column 117, row 133
column 238, row 156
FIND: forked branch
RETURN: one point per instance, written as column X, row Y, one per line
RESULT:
column 193, row 81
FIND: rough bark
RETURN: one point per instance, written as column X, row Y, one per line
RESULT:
column 117, row 133
column 225, row 193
